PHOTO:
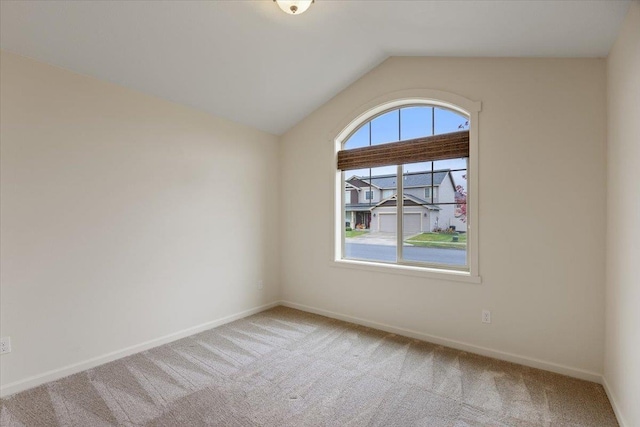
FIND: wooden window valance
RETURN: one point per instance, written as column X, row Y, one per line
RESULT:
column 452, row 145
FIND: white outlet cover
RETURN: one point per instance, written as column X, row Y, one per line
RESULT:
column 260, row 285
column 486, row 316
column 5, row 345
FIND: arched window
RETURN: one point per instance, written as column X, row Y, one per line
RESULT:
column 404, row 188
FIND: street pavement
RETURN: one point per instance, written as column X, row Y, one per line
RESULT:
column 387, row 252
column 381, row 246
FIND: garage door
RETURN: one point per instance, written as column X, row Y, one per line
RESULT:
column 411, row 223
column 388, row 223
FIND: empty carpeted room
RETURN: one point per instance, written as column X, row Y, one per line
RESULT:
column 320, row 213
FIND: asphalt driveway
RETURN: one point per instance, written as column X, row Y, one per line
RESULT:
column 376, row 238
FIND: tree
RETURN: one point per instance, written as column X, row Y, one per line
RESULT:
column 461, row 202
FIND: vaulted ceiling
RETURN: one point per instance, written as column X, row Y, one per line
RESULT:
column 249, row 62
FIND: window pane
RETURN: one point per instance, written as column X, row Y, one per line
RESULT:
column 415, row 123
column 370, row 229
column 434, row 230
column 359, row 139
column 385, row 128
column 355, row 173
column 450, row 164
column 434, row 198
column 448, row 121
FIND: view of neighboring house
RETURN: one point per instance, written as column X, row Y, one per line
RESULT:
column 370, row 202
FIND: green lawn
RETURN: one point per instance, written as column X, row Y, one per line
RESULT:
column 354, row 233
column 438, row 240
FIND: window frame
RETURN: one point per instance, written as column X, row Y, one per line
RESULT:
column 424, row 98
column 427, row 192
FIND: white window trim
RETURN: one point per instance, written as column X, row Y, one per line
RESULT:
column 395, row 100
column 406, row 270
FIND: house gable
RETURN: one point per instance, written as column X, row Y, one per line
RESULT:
column 408, row 200
column 357, row 182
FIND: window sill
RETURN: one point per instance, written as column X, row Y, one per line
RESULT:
column 408, row 270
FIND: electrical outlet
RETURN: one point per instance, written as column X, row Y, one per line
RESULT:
column 486, row 316
column 260, row 285
column 5, row 345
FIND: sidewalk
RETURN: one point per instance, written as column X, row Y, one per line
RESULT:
column 377, row 238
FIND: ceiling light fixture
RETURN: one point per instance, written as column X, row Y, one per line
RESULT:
column 294, row 7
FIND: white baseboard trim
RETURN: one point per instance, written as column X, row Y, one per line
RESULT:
column 496, row 354
column 56, row 374
column 614, row 403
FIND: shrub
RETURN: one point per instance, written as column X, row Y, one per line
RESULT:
column 348, row 229
column 449, row 230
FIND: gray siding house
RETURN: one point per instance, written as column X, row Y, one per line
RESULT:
column 428, row 202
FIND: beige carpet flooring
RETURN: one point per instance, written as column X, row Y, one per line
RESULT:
column 284, row 367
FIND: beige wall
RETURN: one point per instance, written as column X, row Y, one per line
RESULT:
column 622, row 350
column 124, row 217
column 542, row 150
